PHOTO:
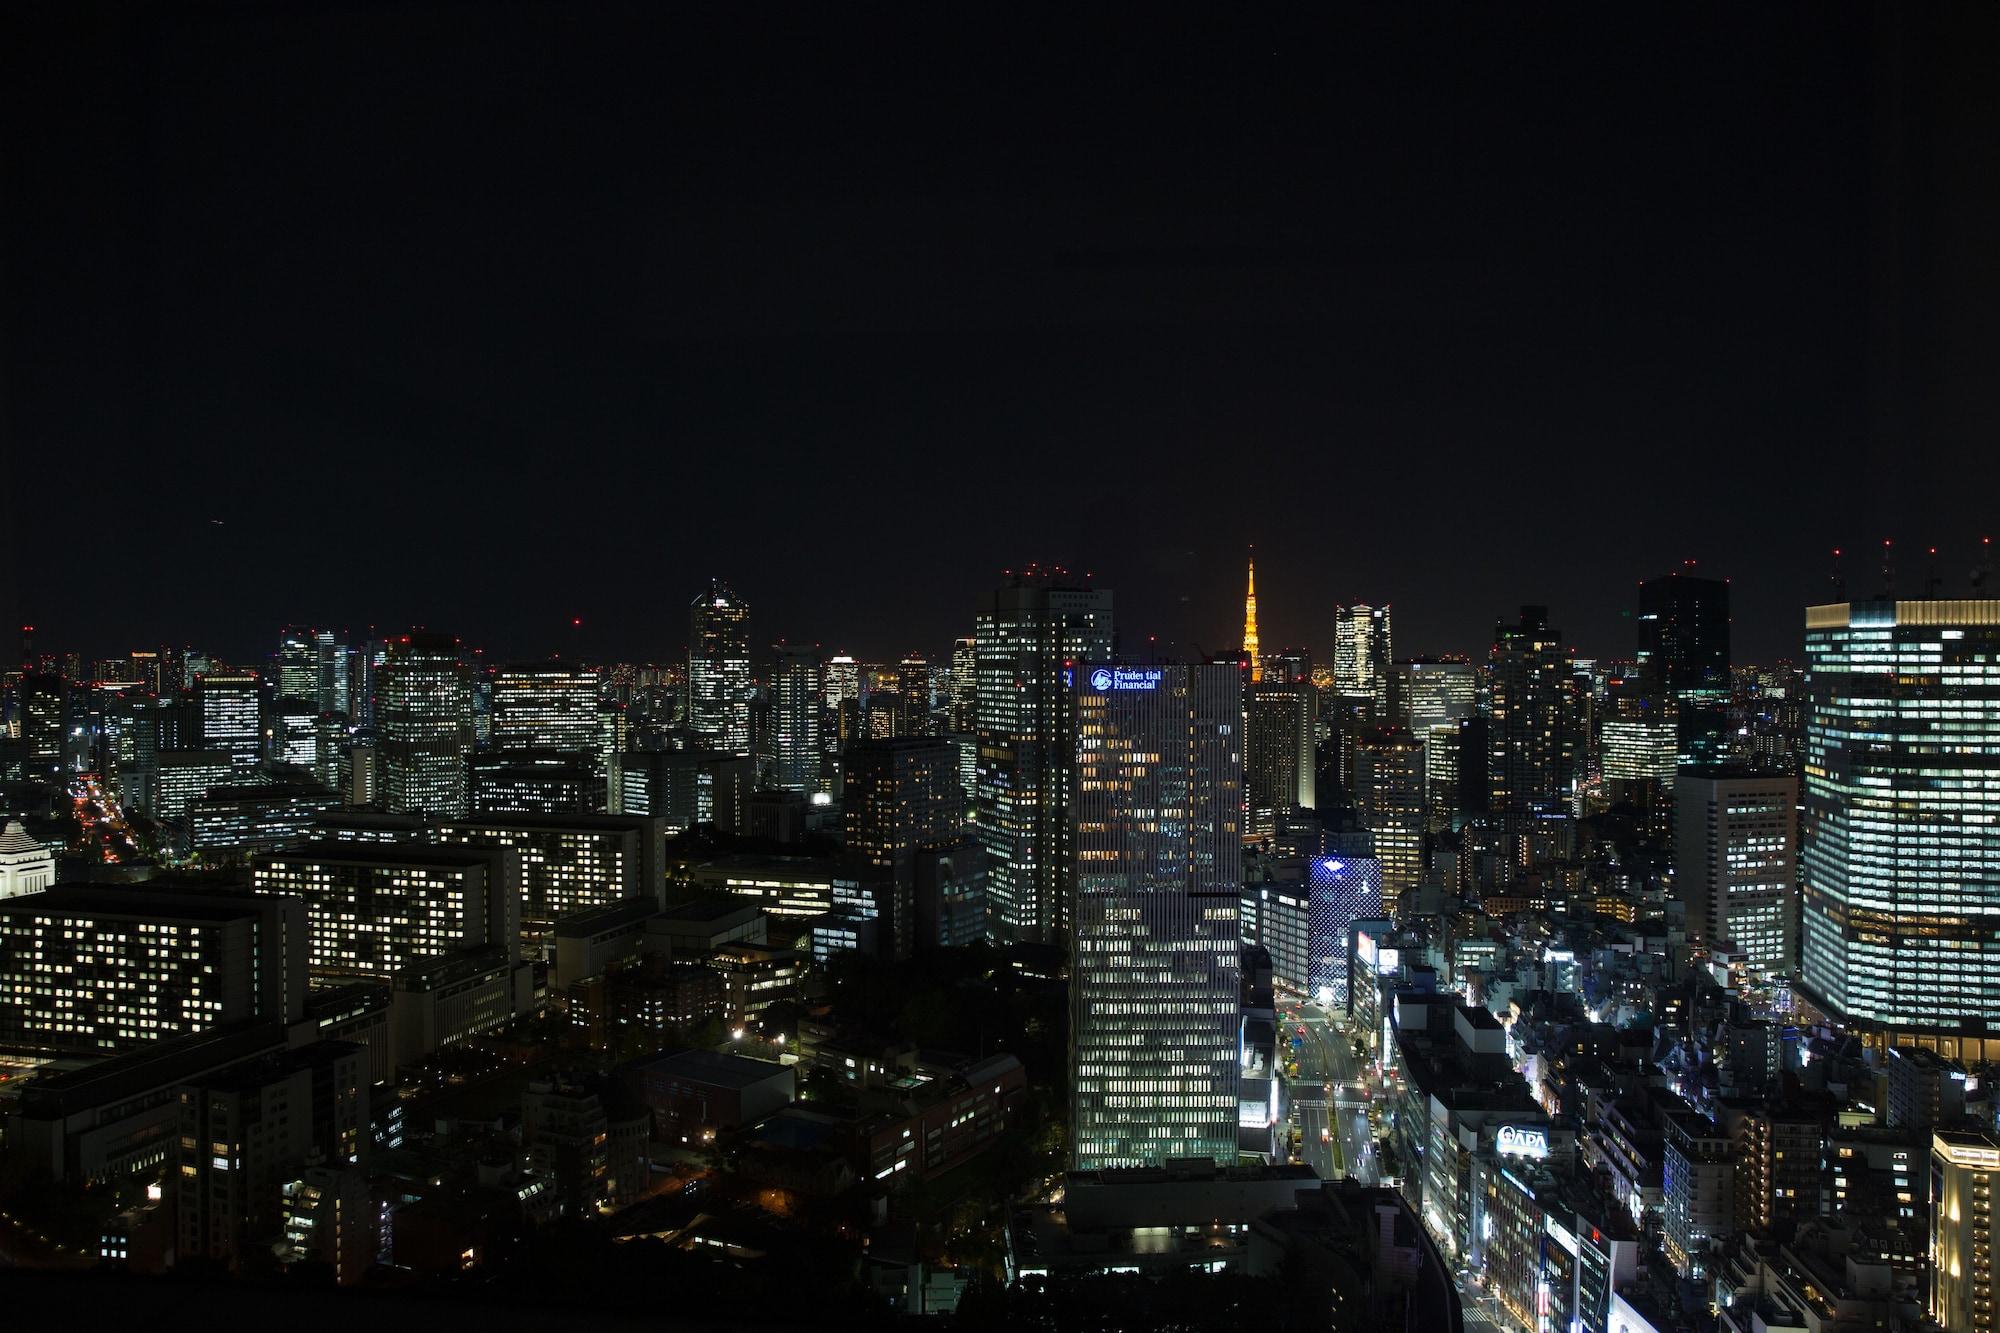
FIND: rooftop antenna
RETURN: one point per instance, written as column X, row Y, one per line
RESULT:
column 1935, row 583
column 1983, row 568
column 1838, row 580
column 1888, row 570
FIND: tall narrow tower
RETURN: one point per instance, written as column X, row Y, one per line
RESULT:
column 1250, row 625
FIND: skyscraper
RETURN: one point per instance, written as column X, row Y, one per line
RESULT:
column 298, row 665
column 1029, row 634
column 902, row 799
column 424, row 717
column 1902, row 819
column 1684, row 652
column 1252, row 652
column 1389, row 795
column 1278, row 759
column 1361, row 651
column 1528, row 717
column 796, row 705
column 332, row 652
column 964, row 685
column 231, row 707
column 546, row 706
column 1734, row 864
column 719, row 686
column 1154, row 972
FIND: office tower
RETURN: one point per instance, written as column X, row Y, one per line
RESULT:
column 295, row 733
column 373, row 909
column 297, row 661
column 1252, row 650
column 913, row 694
column 1389, row 797
column 546, row 706
column 246, row 1130
column 479, row 678
column 796, row 706
column 1361, row 652
column 44, row 705
column 1278, row 753
column 1426, row 692
column 92, row 968
column 1734, row 865
column 330, row 757
column 1340, row 890
column 719, row 685
column 964, row 686
column 182, row 775
column 1965, row 1172
column 331, row 654
column 548, row 782
column 1154, row 970
column 1528, row 717
column 224, row 823
column 424, row 725
column 571, row 863
column 1902, row 848
column 1684, row 652
column 1028, row 634
column 148, row 668
column 230, row 705
column 901, row 799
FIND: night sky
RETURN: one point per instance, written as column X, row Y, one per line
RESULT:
column 485, row 317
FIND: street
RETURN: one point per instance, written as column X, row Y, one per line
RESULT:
column 1329, row 1103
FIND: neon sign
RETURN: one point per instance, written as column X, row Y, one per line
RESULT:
column 1521, row 1141
column 1108, row 679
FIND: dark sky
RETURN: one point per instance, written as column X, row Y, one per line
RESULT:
column 487, row 316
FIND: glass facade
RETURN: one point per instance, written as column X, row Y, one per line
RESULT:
column 425, row 718
column 1155, row 973
column 719, row 685
column 1902, row 795
column 1024, row 640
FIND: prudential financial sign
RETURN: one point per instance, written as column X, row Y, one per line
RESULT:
column 1107, row 680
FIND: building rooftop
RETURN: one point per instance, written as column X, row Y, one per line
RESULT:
column 14, row 838
column 138, row 903
column 146, row 1069
column 717, row 1067
column 595, row 921
column 711, row 907
column 379, row 854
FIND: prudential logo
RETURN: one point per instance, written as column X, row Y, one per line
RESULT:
column 1100, row 679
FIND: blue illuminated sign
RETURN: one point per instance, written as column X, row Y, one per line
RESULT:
column 1112, row 679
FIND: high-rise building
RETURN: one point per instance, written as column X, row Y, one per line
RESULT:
column 796, row 707
column 1389, row 797
column 1684, row 652
column 964, row 686
column 1528, row 717
column 95, row 968
column 1279, row 764
column 297, row 661
column 1029, row 635
column 546, row 706
column 1965, row 1230
column 1901, row 829
column 719, row 685
column 901, row 799
column 1252, row 647
column 44, row 712
column 232, row 715
column 1340, row 890
column 424, row 726
column 1734, row 865
column 1154, row 970
column 332, row 655
column 1362, row 652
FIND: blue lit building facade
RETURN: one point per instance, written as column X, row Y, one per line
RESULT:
column 1341, row 890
